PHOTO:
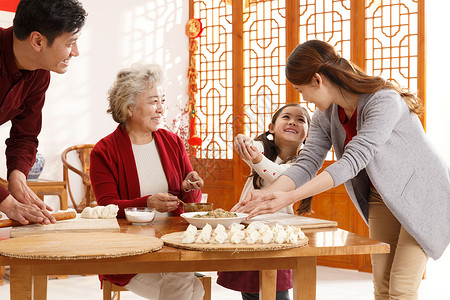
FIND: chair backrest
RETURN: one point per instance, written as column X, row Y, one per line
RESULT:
column 83, row 152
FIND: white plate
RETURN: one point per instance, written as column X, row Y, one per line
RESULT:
column 200, row 222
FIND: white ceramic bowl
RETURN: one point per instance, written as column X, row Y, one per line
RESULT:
column 140, row 215
column 201, row 222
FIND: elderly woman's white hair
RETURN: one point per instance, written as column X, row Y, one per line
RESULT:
column 130, row 82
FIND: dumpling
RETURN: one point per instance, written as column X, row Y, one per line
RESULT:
column 233, row 228
column 220, row 237
column 255, row 225
column 263, row 228
column 236, row 226
column 252, row 236
column 266, row 235
column 219, row 229
column 205, row 235
column 237, row 236
column 300, row 233
column 191, row 230
column 292, row 236
column 188, row 239
column 189, row 234
column 279, row 234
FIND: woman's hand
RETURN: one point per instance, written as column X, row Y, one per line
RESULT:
column 193, row 181
column 163, row 202
column 261, row 202
column 253, row 198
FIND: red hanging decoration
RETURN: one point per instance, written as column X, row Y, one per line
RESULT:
column 195, row 141
column 193, row 30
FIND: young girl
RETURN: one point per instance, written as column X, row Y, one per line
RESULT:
column 395, row 178
column 269, row 155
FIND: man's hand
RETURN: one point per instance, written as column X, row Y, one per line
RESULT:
column 25, row 213
column 17, row 186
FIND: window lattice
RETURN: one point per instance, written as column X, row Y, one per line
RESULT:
column 330, row 23
column 264, row 59
column 391, row 51
column 214, row 63
column 392, row 41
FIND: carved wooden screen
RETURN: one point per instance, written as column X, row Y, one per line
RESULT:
column 241, row 57
column 327, row 21
column 214, row 63
column 395, row 42
column 264, row 49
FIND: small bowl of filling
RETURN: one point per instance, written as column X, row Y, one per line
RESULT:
column 139, row 215
column 193, row 207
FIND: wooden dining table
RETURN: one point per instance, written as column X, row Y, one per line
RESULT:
column 28, row 277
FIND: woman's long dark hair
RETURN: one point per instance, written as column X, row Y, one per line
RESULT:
column 315, row 56
column 271, row 151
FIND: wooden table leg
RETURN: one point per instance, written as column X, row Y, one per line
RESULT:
column 304, row 278
column 267, row 284
column 21, row 284
column 2, row 274
column 40, row 287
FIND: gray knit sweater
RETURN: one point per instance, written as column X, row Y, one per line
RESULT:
column 392, row 151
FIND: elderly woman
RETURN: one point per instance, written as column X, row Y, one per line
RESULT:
column 141, row 165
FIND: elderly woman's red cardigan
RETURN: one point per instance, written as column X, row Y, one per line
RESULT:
column 114, row 176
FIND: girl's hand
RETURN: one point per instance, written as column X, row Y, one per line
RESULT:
column 163, row 202
column 193, row 181
column 261, row 202
column 254, row 155
column 244, row 147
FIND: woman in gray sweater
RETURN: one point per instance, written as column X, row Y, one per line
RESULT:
column 395, row 178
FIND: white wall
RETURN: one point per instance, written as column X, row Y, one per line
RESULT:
column 438, row 79
column 438, row 120
column 153, row 31
column 114, row 37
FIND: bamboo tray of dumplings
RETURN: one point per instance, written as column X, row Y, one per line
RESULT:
column 174, row 240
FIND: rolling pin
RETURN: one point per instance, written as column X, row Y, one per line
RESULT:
column 58, row 216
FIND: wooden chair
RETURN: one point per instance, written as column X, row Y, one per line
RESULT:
column 112, row 291
column 83, row 152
